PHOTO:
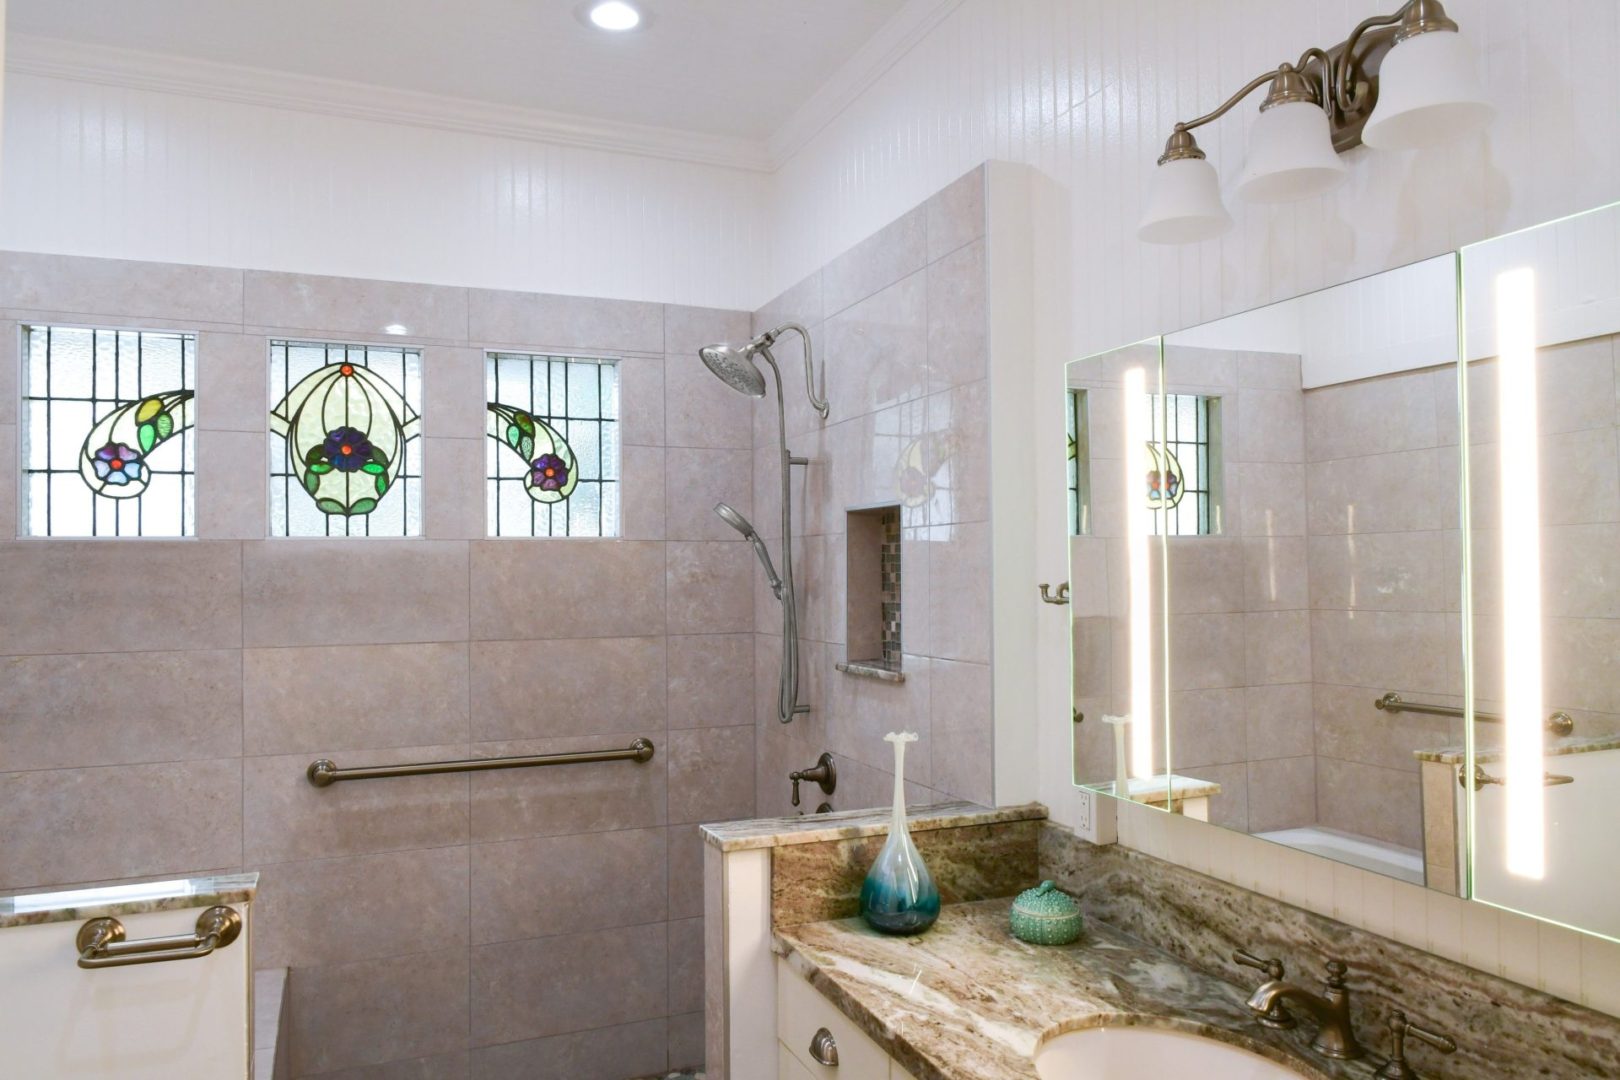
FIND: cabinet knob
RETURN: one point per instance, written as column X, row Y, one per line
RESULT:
column 823, row 1048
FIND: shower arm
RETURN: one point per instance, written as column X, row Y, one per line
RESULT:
column 817, row 401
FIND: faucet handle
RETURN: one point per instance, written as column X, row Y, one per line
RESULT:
column 1272, row 968
column 1396, row 1067
column 1336, row 972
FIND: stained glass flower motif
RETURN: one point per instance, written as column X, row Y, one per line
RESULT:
column 346, row 429
column 1164, row 479
column 553, row 473
column 113, row 458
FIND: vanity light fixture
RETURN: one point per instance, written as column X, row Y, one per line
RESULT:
column 1398, row 82
column 615, row 15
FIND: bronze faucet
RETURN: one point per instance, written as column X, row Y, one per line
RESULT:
column 1335, row 1037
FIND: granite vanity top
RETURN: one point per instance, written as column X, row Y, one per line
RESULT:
column 853, row 824
column 1483, row 755
column 968, row 1001
column 71, row 905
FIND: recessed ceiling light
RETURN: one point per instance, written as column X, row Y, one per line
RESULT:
column 395, row 328
column 615, row 15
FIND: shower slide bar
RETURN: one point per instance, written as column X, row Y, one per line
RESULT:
column 1558, row 723
column 325, row 773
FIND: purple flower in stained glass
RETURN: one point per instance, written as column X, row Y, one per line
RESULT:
column 116, row 463
column 347, row 449
column 550, row 473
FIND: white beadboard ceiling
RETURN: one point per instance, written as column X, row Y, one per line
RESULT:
column 737, row 69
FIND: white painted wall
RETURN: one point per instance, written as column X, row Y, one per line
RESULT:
column 134, row 173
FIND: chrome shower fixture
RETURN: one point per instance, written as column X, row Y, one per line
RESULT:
column 738, row 367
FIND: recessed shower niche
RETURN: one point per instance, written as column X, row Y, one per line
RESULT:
column 872, row 594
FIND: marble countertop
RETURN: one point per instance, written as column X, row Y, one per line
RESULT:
column 968, row 1001
column 852, row 824
column 75, row 904
column 1570, row 744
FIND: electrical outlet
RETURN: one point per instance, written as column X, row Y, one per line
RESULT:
column 1094, row 818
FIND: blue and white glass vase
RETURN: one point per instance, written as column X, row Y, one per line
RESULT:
column 899, row 895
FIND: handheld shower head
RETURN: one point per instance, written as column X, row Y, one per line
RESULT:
column 746, row 527
column 735, row 367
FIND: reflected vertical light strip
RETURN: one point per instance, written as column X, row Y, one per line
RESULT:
column 1521, row 573
column 1138, row 570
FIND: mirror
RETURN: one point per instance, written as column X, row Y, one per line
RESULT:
column 1293, row 507
column 1542, row 318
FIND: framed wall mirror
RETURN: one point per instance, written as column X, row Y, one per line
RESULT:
column 1355, row 557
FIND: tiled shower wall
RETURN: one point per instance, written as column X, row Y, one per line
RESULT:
column 160, row 700
column 900, row 322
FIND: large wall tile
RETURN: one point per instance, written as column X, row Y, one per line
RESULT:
column 566, row 884
column 541, row 322
column 956, row 213
column 573, row 982
column 516, row 803
column 232, row 500
column 897, row 249
column 330, row 911
column 334, row 592
column 958, row 425
column 1277, row 647
column 608, row 1053
column 710, row 588
column 641, row 501
column 1383, row 571
column 686, row 1041
column 688, row 329
column 285, row 817
column 112, row 288
column 304, row 700
column 87, row 709
column 963, row 731
column 328, row 305
column 958, row 318
column 233, row 382
column 1206, row 651
column 1282, row 793
column 10, row 524
column 959, row 592
column 1372, row 416
column 588, row 686
column 641, row 400
column 454, row 489
column 1400, row 650
column 1385, row 804
column 374, row 1011
column 454, row 398
column 1278, row 720
column 711, row 774
column 685, row 844
column 66, row 596
column 452, row 1065
column 710, row 680
column 877, row 350
column 1401, row 492
column 702, row 411
column 1209, row 727
column 698, row 479
column 65, row 826
column 567, row 588
column 686, row 966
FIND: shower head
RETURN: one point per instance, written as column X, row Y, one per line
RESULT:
column 736, row 368
column 744, row 526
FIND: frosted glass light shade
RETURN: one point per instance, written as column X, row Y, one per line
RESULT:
column 1183, row 204
column 1291, row 155
column 1428, row 92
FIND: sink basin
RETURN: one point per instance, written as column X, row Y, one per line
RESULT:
column 1132, row 1053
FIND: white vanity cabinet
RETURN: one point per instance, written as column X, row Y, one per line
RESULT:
column 801, row 1011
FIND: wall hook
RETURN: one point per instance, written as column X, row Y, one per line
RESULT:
column 1062, row 596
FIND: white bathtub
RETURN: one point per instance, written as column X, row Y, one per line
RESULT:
column 1369, row 854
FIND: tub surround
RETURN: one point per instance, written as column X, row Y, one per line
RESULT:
column 779, row 832
column 31, row 909
column 968, row 1001
column 1572, row 744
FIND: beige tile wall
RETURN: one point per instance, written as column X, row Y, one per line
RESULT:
column 900, row 322
column 160, row 700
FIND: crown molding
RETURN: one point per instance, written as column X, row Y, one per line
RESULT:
column 897, row 37
column 55, row 58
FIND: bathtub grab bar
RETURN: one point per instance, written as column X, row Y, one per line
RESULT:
column 1558, row 723
column 324, row 773
column 101, row 941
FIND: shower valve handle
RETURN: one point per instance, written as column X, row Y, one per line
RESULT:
column 824, row 773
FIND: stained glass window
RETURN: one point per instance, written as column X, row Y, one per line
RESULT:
column 347, row 456
column 1183, row 477
column 108, row 440
column 553, row 448
column 1079, row 464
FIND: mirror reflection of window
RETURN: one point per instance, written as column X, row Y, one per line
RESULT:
column 1182, row 479
column 1079, row 464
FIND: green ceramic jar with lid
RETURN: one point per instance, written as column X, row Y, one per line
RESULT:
column 1046, row 915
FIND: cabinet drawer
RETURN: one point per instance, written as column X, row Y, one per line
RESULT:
column 801, row 1010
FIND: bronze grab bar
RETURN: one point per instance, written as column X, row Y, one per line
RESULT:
column 324, row 773
column 1481, row 778
column 101, row 941
column 1558, row 723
